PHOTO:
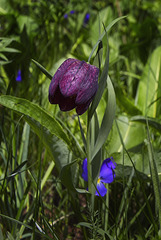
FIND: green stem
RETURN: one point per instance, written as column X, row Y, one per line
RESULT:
column 106, row 206
column 13, row 139
column 89, row 157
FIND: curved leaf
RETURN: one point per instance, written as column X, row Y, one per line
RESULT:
column 42, row 69
column 46, row 127
column 154, row 123
column 108, row 118
column 102, row 85
column 103, row 34
column 32, row 110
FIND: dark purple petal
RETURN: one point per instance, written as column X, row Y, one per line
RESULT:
column 107, row 174
column 73, row 77
column 88, row 86
column 85, row 170
column 80, row 109
column 101, row 189
column 67, row 104
column 54, row 92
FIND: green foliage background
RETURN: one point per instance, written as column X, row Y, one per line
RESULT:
column 41, row 148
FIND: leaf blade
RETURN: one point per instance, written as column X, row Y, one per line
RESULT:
column 108, row 118
column 42, row 69
column 34, row 111
column 149, row 91
column 47, row 128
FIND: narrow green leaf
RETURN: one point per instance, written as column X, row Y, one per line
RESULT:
column 47, row 174
column 102, row 84
column 5, row 62
column 42, row 69
column 139, row 179
column 155, row 178
column 9, row 236
column 11, row 50
column 6, row 41
column 22, row 202
column 82, row 133
column 45, row 236
column 16, row 171
column 81, row 191
column 85, row 224
column 133, row 220
column 98, row 57
column 3, row 56
column 103, row 34
column 108, row 118
column 24, row 146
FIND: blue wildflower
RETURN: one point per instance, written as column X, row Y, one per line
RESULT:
column 72, row 11
column 65, row 15
column 106, row 175
column 87, row 17
column 19, row 78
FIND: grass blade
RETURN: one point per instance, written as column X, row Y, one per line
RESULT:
column 155, row 178
column 42, row 69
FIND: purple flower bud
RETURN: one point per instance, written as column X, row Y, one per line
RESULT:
column 74, row 85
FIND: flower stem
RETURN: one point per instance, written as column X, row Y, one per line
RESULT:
column 89, row 157
column 106, row 207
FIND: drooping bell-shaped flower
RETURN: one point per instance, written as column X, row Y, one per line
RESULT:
column 106, row 175
column 74, row 85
